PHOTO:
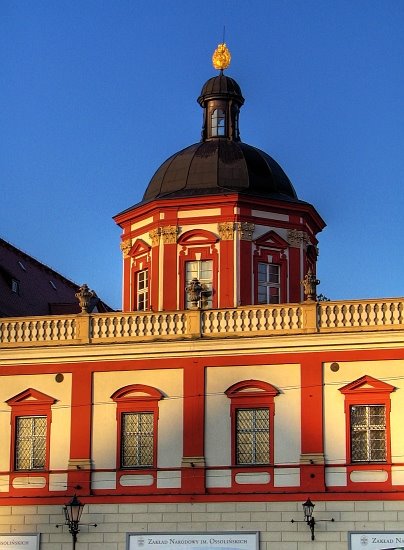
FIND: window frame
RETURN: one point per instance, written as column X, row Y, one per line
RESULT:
column 143, row 292
column 268, row 284
column 136, row 398
column 367, row 391
column 251, row 394
column 30, row 403
column 274, row 257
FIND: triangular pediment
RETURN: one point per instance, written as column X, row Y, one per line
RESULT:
column 139, row 248
column 271, row 240
column 367, row 384
column 31, row 397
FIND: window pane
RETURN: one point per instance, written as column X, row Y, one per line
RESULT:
column 137, row 440
column 203, row 271
column 252, row 436
column 143, row 290
column 268, row 290
column 30, row 451
column 368, row 433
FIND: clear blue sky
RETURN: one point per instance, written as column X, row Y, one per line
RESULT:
column 96, row 94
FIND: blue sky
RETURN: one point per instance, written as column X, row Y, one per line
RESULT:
column 97, row 94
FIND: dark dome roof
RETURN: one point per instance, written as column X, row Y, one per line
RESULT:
column 220, row 86
column 220, row 166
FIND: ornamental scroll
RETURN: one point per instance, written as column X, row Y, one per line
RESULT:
column 245, row 230
column 125, row 247
column 296, row 238
column 169, row 234
column 226, row 231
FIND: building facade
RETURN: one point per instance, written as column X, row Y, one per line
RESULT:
column 224, row 395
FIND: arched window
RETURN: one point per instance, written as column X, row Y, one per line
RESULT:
column 137, row 414
column 218, row 122
column 252, row 413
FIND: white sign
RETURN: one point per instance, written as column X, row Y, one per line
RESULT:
column 378, row 540
column 192, row 541
column 19, row 542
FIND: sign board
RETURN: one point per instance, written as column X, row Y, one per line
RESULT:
column 377, row 540
column 193, row 541
column 19, row 542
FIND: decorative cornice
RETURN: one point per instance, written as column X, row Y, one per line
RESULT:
column 155, row 236
column 296, row 237
column 125, row 247
column 245, row 230
column 226, row 231
column 169, row 234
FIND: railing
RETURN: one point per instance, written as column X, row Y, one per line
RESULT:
column 284, row 319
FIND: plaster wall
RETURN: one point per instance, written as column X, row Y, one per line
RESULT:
column 287, row 429
column 170, row 438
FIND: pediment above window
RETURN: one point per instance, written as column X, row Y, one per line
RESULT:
column 139, row 248
column 197, row 236
column 137, row 392
column 251, row 388
column 366, row 384
column 271, row 240
column 30, row 397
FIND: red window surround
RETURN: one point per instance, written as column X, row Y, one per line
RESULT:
column 140, row 261
column 271, row 257
column 136, row 398
column 367, row 391
column 198, row 244
column 252, row 394
column 30, row 403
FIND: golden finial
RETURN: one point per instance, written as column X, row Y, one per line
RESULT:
column 221, row 57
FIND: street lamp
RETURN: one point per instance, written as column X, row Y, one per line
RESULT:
column 73, row 510
column 308, row 508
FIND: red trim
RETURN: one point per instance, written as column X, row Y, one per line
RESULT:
column 30, row 403
column 271, row 240
column 193, row 479
column 188, row 254
column 251, row 394
column 295, row 276
column 136, row 398
column 275, row 258
column 367, row 391
column 197, row 236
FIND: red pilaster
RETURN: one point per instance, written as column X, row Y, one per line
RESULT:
column 295, row 275
column 245, row 274
column 226, row 273
column 312, row 467
column 80, row 436
column 193, row 471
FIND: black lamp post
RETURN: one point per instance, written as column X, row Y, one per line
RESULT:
column 73, row 510
column 308, row 508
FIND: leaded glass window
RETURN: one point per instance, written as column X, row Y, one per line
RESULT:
column 368, row 433
column 137, row 440
column 268, row 283
column 30, row 446
column 252, row 436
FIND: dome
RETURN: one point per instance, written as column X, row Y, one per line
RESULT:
column 221, row 86
column 220, row 163
column 220, row 166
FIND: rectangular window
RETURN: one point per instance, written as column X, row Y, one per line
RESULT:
column 368, row 433
column 143, row 290
column 137, row 440
column 252, row 436
column 268, row 283
column 203, row 271
column 30, row 450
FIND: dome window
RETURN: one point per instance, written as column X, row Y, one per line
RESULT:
column 218, row 123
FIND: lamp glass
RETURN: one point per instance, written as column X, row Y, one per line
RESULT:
column 74, row 509
column 308, row 508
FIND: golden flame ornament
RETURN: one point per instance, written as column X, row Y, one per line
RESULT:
column 221, row 57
